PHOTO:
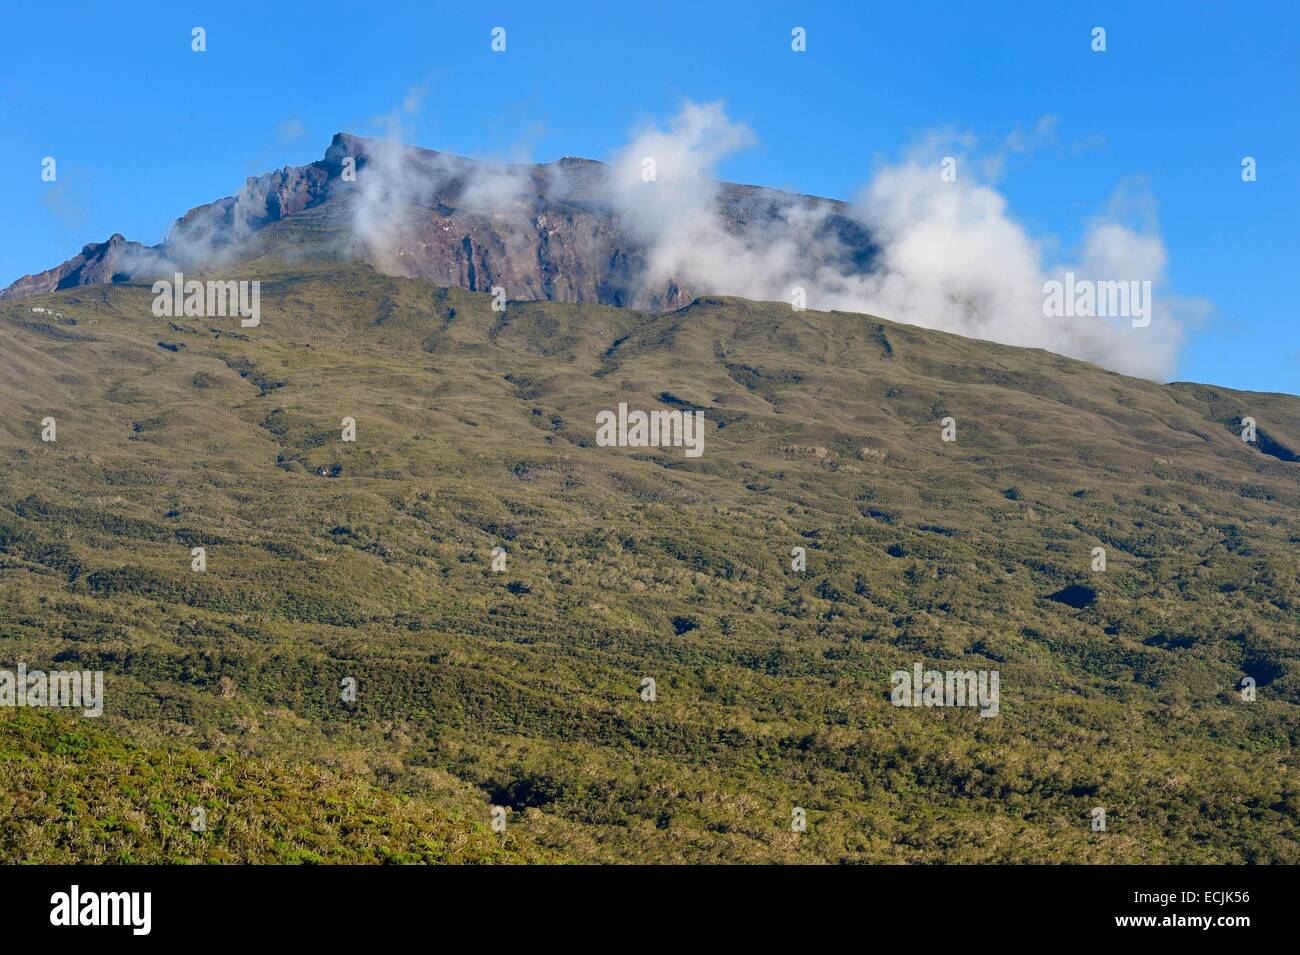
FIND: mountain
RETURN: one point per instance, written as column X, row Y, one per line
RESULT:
column 550, row 231
column 523, row 686
column 99, row 263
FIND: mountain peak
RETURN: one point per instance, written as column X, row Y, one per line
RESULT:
column 550, row 231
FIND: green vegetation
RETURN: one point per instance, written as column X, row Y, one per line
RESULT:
column 71, row 793
column 328, row 560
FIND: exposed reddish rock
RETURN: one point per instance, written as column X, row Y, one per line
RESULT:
column 541, row 231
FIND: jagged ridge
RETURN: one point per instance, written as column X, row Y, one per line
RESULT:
column 540, row 231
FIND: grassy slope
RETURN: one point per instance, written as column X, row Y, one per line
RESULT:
column 476, row 430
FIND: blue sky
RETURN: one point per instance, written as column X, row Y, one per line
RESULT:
column 143, row 128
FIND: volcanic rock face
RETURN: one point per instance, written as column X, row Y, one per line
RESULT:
column 98, row 263
column 549, row 231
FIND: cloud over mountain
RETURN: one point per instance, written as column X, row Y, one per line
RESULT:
column 948, row 254
column 656, row 227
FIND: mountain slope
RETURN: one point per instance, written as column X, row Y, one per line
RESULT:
column 476, row 430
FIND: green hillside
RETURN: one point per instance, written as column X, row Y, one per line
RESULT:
column 72, row 793
column 372, row 560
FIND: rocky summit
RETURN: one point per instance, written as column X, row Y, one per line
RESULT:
column 551, row 231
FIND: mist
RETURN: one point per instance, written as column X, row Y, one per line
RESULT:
column 951, row 255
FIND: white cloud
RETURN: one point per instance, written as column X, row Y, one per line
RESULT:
column 951, row 254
